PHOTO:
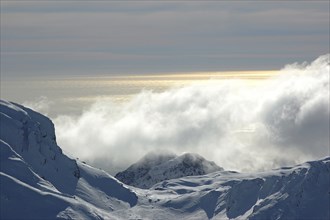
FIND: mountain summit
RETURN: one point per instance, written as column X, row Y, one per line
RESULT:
column 38, row 181
column 154, row 168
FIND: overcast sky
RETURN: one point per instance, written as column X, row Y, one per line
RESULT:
column 112, row 37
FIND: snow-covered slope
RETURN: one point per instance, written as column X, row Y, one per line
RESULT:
column 37, row 181
column 156, row 167
column 300, row 192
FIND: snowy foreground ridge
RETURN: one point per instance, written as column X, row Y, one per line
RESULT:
column 39, row 182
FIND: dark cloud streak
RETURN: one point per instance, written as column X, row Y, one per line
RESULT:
column 151, row 37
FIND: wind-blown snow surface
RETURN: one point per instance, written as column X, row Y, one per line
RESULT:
column 39, row 182
column 156, row 167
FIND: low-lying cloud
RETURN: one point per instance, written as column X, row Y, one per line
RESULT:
column 281, row 121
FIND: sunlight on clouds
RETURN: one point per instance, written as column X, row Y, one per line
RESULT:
column 123, row 88
column 73, row 94
column 282, row 121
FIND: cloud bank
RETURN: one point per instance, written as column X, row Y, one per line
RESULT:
column 281, row 121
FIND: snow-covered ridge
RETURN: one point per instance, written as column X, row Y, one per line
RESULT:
column 36, row 175
column 156, row 167
column 31, row 135
column 39, row 182
column 300, row 192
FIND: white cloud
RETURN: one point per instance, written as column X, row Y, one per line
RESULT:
column 282, row 121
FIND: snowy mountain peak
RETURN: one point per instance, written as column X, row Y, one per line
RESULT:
column 198, row 162
column 39, row 182
column 155, row 158
column 32, row 136
column 154, row 168
column 36, row 175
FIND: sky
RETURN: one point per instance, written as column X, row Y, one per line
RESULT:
column 56, row 38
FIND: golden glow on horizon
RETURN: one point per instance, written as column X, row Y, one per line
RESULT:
column 84, row 90
column 211, row 74
column 251, row 74
column 122, row 88
column 125, row 87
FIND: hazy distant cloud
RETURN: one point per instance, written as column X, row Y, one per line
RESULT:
column 282, row 121
column 41, row 104
column 127, row 37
